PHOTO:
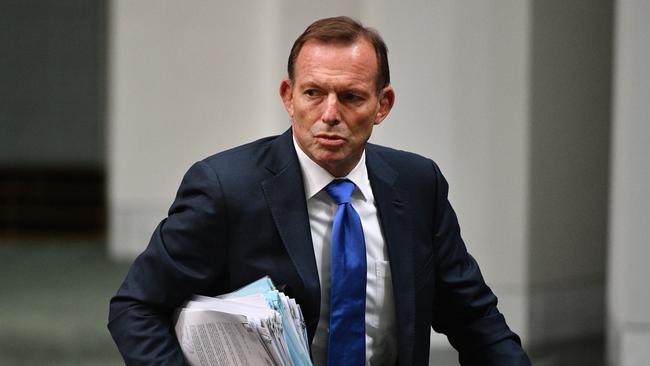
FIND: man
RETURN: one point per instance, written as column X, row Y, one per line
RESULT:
column 271, row 208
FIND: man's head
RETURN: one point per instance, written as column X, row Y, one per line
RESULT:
column 344, row 31
column 338, row 89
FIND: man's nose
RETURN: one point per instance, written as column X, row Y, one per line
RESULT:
column 331, row 112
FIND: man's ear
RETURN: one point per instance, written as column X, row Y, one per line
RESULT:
column 386, row 101
column 286, row 93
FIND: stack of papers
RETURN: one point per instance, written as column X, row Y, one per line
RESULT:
column 255, row 325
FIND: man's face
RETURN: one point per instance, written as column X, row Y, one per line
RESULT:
column 334, row 103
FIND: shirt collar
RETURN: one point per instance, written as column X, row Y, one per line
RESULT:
column 315, row 178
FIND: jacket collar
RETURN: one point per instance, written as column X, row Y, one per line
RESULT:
column 284, row 194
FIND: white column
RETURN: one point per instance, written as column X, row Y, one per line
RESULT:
column 187, row 79
column 629, row 238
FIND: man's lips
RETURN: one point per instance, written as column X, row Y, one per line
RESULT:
column 328, row 139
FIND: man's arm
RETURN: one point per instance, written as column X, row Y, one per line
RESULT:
column 183, row 258
column 465, row 309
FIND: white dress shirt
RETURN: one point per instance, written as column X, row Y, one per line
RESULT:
column 381, row 341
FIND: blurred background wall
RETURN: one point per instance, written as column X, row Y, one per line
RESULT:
column 52, row 115
column 536, row 112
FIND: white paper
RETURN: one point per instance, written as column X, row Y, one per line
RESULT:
column 255, row 325
column 209, row 337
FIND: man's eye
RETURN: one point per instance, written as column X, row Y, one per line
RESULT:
column 311, row 92
column 349, row 97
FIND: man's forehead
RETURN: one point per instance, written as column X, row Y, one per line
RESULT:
column 360, row 43
column 357, row 57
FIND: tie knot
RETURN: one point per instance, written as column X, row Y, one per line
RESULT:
column 340, row 190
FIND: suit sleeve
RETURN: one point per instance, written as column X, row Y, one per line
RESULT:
column 465, row 309
column 184, row 257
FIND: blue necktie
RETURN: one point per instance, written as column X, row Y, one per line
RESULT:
column 347, row 337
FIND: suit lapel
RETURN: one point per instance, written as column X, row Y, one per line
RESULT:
column 392, row 204
column 284, row 194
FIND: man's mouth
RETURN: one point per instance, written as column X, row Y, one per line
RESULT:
column 330, row 139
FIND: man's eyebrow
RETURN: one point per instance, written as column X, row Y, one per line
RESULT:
column 309, row 83
column 351, row 87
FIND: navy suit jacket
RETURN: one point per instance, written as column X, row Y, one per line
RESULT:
column 241, row 214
